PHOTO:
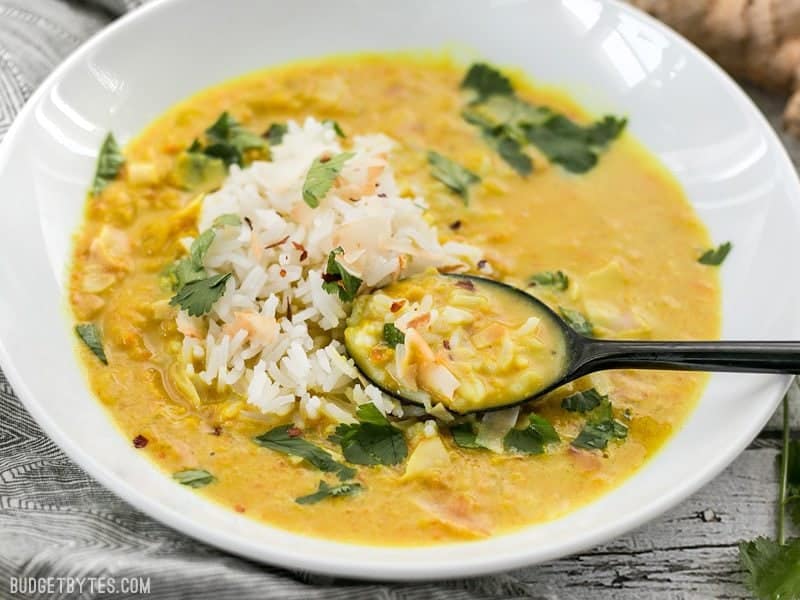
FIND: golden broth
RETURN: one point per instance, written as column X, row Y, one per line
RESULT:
column 624, row 233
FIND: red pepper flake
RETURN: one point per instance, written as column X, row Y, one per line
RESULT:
column 140, row 441
column 455, row 225
column 300, row 248
column 446, row 344
column 217, row 430
column 282, row 272
column 294, row 432
column 324, row 158
column 331, row 277
column 249, row 223
column 483, row 263
column 381, row 195
column 289, row 313
column 239, row 508
column 465, row 284
column 274, row 244
column 397, row 305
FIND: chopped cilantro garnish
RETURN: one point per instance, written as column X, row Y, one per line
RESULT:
column 280, row 440
column 486, row 81
column 109, row 162
column 327, row 491
column 227, row 141
column 600, row 428
column 577, row 321
column 392, row 335
column 533, row 438
column 583, row 401
column 197, row 297
column 193, row 477
column 338, row 280
column 336, row 127
column 321, row 175
column 464, row 436
column 715, row 256
column 373, row 440
column 554, row 279
column 227, row 219
column 274, row 134
column 453, row 175
column 90, row 335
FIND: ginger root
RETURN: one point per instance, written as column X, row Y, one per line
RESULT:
column 756, row 40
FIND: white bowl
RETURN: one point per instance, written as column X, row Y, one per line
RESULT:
column 609, row 56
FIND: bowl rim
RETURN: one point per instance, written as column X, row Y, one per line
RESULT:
column 331, row 565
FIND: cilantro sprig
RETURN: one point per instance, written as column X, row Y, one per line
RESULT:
column 554, row 279
column 338, row 280
column 371, row 441
column 286, row 439
column 109, row 163
column 323, row 172
column 194, row 478
column 89, row 334
column 330, row 491
column 392, row 335
column 453, row 175
column 715, row 256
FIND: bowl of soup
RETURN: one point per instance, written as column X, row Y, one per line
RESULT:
column 205, row 233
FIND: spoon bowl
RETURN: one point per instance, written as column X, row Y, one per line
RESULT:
column 444, row 338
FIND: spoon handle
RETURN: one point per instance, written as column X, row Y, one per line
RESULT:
column 750, row 357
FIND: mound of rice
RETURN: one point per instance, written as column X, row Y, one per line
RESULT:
column 275, row 335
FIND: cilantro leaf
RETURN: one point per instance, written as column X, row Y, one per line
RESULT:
column 109, row 162
column 373, row 440
column 583, row 401
column 577, row 321
column 336, row 127
column 555, row 279
column 486, row 81
column 793, row 481
column 715, row 256
column 505, row 144
column 574, row 147
column 326, row 491
column 773, row 570
column 321, row 175
column 601, row 428
column 338, row 280
column 197, row 297
column 464, row 436
column 90, row 335
column 453, row 175
column 280, row 440
column 227, row 141
column 392, row 335
column 227, row 219
column 194, row 478
column 275, row 133
column 533, row 438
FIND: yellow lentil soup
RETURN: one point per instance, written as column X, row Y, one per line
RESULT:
column 224, row 248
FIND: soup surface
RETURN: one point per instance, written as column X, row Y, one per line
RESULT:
column 613, row 246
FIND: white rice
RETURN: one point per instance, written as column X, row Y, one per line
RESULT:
column 247, row 344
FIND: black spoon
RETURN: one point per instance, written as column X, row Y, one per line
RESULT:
column 586, row 355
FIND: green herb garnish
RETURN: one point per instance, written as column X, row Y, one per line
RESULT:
column 373, row 440
column 583, row 401
column 336, row 127
column 90, row 335
column 577, row 321
column 486, row 81
column 464, row 436
column 281, row 439
column 793, row 480
column 506, row 145
column 275, row 133
column 321, row 175
column 338, row 280
column 573, row 146
column 109, row 162
column 601, row 428
column 715, row 256
column 392, row 335
column 327, row 491
column 194, row 478
column 533, row 438
column 453, row 175
column 197, row 297
column 227, row 141
column 554, row 279
column 227, row 219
